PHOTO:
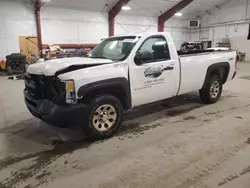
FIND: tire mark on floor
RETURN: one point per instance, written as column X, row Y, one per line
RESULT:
column 41, row 160
column 248, row 141
column 233, row 177
column 136, row 128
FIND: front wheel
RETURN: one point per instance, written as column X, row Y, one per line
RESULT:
column 103, row 118
column 211, row 92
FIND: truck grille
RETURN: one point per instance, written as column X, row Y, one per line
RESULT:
column 44, row 87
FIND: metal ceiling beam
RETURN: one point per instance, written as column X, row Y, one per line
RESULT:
column 113, row 13
column 38, row 5
column 171, row 12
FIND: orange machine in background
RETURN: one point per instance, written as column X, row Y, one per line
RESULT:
column 3, row 64
column 28, row 47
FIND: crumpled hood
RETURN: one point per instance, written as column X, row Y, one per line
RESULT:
column 49, row 68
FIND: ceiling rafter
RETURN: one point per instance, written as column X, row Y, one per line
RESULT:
column 113, row 12
column 171, row 12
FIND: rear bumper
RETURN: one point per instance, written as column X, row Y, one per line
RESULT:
column 53, row 114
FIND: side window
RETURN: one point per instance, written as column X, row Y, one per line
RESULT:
column 154, row 49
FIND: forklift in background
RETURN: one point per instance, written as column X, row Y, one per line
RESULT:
column 16, row 63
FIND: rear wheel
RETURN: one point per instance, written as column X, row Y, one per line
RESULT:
column 103, row 118
column 211, row 92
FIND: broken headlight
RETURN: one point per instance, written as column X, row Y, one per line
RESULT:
column 70, row 92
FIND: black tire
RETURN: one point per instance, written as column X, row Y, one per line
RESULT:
column 88, row 127
column 23, row 68
column 9, row 70
column 206, row 94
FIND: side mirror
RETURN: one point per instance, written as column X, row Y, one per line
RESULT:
column 142, row 57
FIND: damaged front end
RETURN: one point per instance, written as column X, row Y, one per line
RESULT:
column 46, row 99
column 45, row 87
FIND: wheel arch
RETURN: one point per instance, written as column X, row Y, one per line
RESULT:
column 222, row 69
column 118, row 87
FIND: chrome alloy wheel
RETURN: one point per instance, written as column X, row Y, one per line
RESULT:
column 104, row 118
column 214, row 89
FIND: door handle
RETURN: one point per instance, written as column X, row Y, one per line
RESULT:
column 168, row 68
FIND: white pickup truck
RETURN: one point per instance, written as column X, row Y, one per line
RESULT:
column 119, row 74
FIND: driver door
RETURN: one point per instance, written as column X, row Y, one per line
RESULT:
column 153, row 75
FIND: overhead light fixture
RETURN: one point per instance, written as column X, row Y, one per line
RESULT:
column 126, row 8
column 178, row 14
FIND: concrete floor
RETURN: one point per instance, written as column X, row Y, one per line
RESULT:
column 178, row 143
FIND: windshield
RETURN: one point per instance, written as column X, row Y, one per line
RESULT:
column 114, row 49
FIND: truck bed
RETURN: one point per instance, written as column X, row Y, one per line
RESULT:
column 195, row 65
column 192, row 52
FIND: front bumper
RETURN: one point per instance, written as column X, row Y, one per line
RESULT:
column 53, row 114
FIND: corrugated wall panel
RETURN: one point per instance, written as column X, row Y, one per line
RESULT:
column 19, row 21
column 71, row 26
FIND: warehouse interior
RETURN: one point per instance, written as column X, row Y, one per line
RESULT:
column 172, row 142
column 87, row 22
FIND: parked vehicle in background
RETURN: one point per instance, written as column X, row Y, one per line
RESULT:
column 221, row 47
column 191, row 46
column 199, row 45
column 119, row 74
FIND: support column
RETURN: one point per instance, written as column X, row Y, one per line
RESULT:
column 170, row 13
column 113, row 13
column 160, row 25
column 111, row 26
column 38, row 6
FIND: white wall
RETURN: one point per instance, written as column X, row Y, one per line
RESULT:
column 16, row 19
column 178, row 31
column 72, row 26
column 235, row 10
column 66, row 26
column 199, row 34
column 232, row 11
column 137, row 24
